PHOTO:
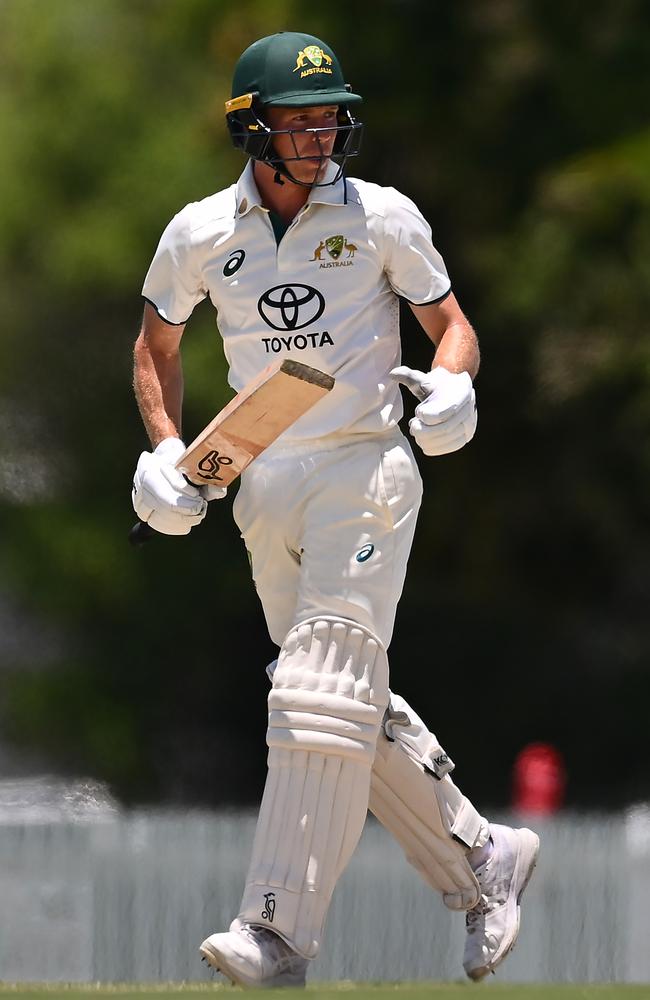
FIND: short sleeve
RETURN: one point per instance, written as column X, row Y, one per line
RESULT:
column 173, row 284
column 413, row 266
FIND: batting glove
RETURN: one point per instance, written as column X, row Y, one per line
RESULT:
column 162, row 496
column 446, row 417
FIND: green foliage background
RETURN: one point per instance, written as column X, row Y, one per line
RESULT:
column 521, row 129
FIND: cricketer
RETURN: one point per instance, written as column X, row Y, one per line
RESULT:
column 303, row 262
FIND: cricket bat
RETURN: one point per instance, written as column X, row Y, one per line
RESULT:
column 246, row 426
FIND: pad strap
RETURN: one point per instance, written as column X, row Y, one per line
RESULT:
column 413, row 796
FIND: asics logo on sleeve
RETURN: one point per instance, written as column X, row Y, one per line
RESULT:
column 233, row 263
column 290, row 307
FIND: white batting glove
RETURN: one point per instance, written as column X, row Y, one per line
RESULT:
column 213, row 492
column 162, row 496
column 446, row 417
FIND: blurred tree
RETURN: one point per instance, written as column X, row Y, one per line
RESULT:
column 111, row 122
column 520, row 128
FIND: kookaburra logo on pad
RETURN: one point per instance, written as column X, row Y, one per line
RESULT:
column 438, row 763
column 269, row 907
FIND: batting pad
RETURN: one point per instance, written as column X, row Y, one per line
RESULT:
column 330, row 691
column 412, row 795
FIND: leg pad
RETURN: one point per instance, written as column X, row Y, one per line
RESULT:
column 330, row 691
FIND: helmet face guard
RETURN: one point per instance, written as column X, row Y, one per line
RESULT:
column 250, row 133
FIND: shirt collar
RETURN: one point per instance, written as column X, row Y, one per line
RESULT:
column 247, row 196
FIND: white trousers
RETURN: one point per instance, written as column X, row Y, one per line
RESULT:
column 329, row 527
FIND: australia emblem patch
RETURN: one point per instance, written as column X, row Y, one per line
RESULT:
column 335, row 246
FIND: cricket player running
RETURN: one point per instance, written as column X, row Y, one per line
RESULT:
column 303, row 262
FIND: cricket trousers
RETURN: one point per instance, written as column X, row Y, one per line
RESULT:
column 328, row 526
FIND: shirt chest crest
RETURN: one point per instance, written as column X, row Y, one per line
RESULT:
column 337, row 250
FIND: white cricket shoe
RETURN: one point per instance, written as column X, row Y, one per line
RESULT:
column 493, row 925
column 255, row 957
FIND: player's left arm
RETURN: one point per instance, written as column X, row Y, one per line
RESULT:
column 452, row 333
column 446, row 418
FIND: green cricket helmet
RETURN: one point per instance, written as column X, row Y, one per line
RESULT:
column 293, row 70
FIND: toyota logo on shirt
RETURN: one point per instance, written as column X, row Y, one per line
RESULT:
column 291, row 307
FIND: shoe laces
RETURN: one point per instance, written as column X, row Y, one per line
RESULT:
column 495, row 897
column 274, row 948
column 473, row 916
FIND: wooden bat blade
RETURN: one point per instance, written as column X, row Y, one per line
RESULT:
column 253, row 420
column 248, row 424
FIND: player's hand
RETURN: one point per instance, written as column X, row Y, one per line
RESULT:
column 213, row 492
column 162, row 496
column 446, row 417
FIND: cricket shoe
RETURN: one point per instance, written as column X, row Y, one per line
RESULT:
column 254, row 957
column 493, row 924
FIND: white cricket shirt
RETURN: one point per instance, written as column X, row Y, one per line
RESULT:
column 327, row 295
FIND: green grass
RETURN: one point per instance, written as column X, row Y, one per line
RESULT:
column 325, row 991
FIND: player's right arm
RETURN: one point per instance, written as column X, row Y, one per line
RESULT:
column 161, row 495
column 158, row 376
column 172, row 288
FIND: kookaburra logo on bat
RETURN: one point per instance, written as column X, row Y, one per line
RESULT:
column 210, row 465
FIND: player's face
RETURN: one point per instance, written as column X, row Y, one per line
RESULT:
column 303, row 141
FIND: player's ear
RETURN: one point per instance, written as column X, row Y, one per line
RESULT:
column 348, row 140
column 246, row 120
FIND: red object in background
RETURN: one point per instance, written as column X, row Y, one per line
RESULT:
column 539, row 780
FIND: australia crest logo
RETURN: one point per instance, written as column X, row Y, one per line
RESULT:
column 320, row 61
column 334, row 246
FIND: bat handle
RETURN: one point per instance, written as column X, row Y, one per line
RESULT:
column 140, row 533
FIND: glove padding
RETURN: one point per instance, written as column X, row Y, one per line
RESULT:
column 446, row 417
column 163, row 497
